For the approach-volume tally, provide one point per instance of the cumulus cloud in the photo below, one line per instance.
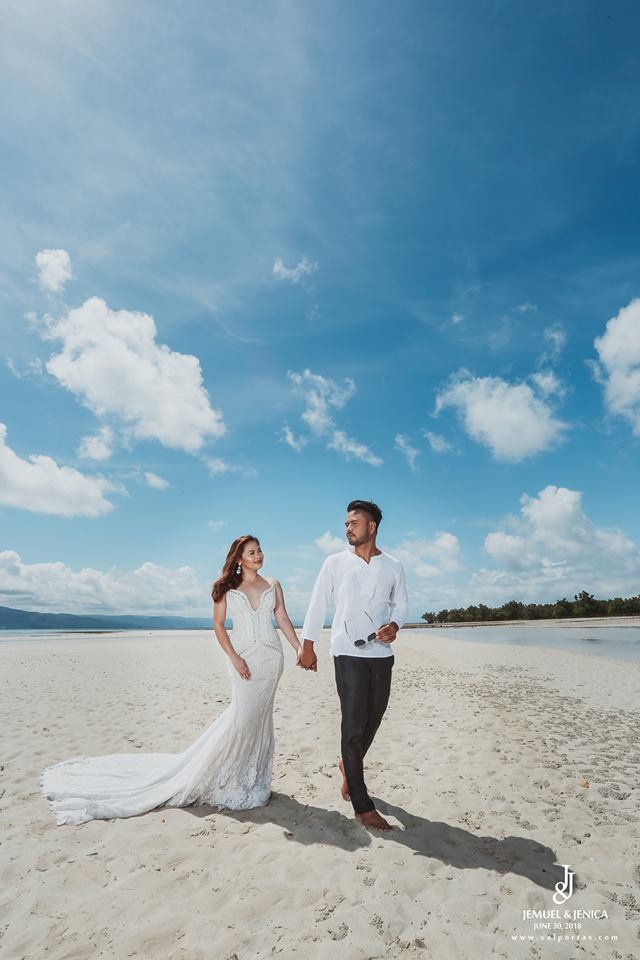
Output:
(557, 521)
(437, 443)
(327, 543)
(456, 318)
(97, 447)
(403, 444)
(526, 307)
(618, 369)
(554, 547)
(548, 383)
(430, 558)
(54, 269)
(511, 419)
(111, 361)
(149, 589)
(322, 396)
(155, 481)
(303, 268)
(40, 485)
(508, 549)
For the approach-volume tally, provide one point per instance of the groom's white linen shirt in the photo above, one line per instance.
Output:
(366, 596)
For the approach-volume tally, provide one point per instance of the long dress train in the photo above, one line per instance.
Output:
(229, 765)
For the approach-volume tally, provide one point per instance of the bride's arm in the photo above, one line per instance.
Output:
(219, 617)
(283, 621)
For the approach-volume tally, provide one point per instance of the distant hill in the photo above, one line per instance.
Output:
(11, 619)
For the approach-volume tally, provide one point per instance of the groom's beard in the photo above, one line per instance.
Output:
(358, 541)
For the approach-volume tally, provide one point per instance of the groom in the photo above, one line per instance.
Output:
(369, 591)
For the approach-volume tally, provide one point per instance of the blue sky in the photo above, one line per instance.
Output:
(259, 259)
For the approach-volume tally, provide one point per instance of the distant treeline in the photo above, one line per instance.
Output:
(583, 605)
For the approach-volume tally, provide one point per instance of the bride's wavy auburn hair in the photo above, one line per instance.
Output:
(229, 579)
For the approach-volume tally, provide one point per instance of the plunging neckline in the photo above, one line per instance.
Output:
(255, 609)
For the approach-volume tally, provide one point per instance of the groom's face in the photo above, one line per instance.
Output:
(359, 528)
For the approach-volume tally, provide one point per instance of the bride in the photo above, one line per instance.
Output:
(230, 764)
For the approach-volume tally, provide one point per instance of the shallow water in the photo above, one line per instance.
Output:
(616, 642)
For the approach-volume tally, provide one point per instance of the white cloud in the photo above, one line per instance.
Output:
(352, 449)
(437, 443)
(111, 361)
(321, 397)
(54, 269)
(158, 483)
(330, 544)
(303, 268)
(97, 447)
(217, 466)
(548, 383)
(456, 318)
(508, 549)
(42, 486)
(509, 419)
(619, 368)
(430, 558)
(555, 338)
(33, 369)
(554, 548)
(287, 436)
(556, 520)
(526, 307)
(149, 589)
(216, 524)
(404, 446)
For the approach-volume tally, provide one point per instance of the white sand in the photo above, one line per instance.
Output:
(494, 762)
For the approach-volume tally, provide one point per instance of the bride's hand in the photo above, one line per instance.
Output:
(241, 666)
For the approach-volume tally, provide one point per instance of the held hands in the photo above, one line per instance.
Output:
(241, 666)
(307, 658)
(387, 633)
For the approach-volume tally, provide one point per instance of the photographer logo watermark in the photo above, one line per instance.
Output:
(556, 924)
(564, 888)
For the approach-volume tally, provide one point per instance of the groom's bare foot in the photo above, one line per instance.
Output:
(344, 789)
(373, 821)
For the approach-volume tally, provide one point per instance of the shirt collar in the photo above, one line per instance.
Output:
(352, 552)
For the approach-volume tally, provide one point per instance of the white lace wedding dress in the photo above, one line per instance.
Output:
(229, 765)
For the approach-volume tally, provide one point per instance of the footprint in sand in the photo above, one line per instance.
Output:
(340, 933)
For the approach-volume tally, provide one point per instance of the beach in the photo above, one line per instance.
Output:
(496, 764)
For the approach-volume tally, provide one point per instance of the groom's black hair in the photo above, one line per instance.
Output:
(366, 506)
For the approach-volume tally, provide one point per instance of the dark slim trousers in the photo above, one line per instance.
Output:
(364, 684)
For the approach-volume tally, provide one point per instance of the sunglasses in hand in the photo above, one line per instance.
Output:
(361, 642)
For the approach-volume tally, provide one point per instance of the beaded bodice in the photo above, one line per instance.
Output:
(251, 626)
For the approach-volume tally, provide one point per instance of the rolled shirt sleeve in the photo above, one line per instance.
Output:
(321, 597)
(399, 599)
